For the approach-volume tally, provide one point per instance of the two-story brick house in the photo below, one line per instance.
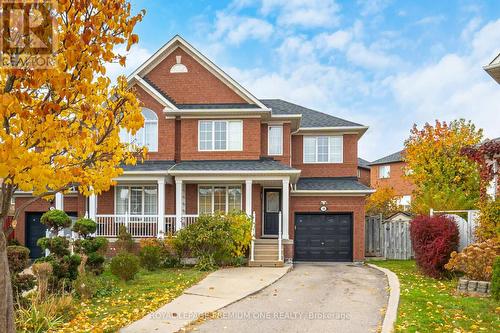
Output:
(213, 146)
(389, 171)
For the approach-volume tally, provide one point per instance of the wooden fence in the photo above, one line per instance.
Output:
(388, 239)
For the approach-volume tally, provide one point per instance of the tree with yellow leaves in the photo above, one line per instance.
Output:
(384, 201)
(60, 123)
(444, 178)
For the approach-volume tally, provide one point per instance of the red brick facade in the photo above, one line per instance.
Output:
(178, 141)
(364, 176)
(348, 168)
(397, 181)
(197, 86)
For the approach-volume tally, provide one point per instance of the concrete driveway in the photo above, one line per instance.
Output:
(337, 297)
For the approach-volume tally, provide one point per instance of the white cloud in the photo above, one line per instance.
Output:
(135, 58)
(337, 40)
(455, 86)
(371, 57)
(372, 7)
(435, 19)
(237, 29)
(303, 13)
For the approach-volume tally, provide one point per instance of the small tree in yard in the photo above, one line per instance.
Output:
(60, 126)
(443, 177)
(383, 201)
(487, 157)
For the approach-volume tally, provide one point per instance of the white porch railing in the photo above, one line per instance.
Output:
(138, 226)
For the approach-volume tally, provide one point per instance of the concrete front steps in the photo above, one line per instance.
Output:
(266, 254)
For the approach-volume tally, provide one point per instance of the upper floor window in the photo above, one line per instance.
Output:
(323, 149)
(384, 171)
(275, 140)
(146, 136)
(220, 135)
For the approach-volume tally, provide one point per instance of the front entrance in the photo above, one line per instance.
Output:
(272, 208)
(36, 230)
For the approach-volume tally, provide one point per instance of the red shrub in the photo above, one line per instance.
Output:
(433, 240)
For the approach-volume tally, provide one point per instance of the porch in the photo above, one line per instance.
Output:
(159, 204)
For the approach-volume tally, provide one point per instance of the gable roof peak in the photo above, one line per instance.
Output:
(178, 41)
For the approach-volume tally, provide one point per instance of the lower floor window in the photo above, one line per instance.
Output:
(136, 200)
(218, 198)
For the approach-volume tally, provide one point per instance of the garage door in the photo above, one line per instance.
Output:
(323, 237)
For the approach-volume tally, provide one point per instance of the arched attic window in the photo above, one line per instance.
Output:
(146, 136)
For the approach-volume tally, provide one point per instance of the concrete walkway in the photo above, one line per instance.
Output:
(217, 290)
(335, 297)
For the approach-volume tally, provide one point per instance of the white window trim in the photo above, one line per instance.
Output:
(213, 194)
(329, 147)
(130, 137)
(213, 135)
(269, 141)
(388, 174)
(129, 198)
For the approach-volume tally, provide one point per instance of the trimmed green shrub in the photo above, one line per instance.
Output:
(18, 257)
(150, 257)
(56, 220)
(125, 266)
(85, 227)
(125, 243)
(64, 269)
(495, 280)
(215, 239)
(58, 246)
(90, 245)
(93, 248)
(95, 263)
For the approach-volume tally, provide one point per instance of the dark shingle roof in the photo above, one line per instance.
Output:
(164, 94)
(250, 165)
(217, 106)
(396, 157)
(331, 184)
(149, 165)
(363, 163)
(310, 118)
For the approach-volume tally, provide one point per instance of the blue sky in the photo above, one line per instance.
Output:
(386, 64)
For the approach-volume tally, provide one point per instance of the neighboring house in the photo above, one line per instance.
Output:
(364, 171)
(389, 171)
(493, 69)
(213, 146)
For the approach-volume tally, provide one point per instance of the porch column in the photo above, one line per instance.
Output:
(92, 207)
(286, 199)
(178, 205)
(248, 197)
(161, 208)
(59, 201)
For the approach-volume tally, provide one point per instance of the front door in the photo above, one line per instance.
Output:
(272, 207)
(34, 231)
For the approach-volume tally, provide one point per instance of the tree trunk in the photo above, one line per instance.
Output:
(7, 323)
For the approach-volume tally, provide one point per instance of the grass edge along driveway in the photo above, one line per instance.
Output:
(430, 305)
(126, 302)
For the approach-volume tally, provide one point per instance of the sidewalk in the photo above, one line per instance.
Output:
(216, 291)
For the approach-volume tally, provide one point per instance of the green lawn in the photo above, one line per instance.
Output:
(429, 305)
(121, 303)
